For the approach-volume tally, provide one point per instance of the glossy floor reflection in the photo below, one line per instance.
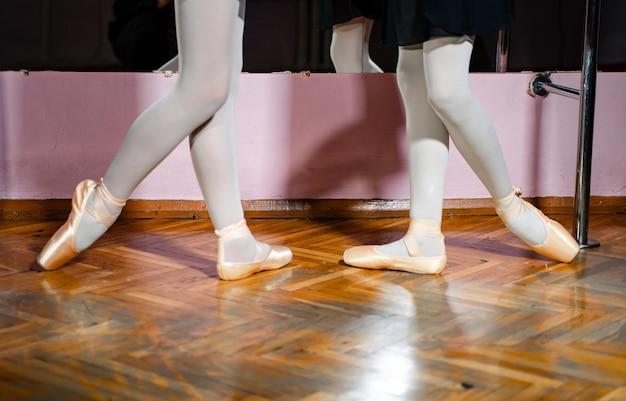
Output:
(143, 316)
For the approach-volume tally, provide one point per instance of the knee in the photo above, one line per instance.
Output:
(447, 100)
(205, 97)
(212, 94)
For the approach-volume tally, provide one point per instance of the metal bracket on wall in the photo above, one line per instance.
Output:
(541, 85)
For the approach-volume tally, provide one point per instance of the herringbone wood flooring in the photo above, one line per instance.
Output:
(142, 316)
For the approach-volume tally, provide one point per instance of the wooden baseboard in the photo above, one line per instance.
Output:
(58, 209)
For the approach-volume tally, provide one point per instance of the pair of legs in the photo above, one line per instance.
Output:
(433, 78)
(349, 46)
(201, 106)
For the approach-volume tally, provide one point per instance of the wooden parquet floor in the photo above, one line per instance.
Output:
(142, 316)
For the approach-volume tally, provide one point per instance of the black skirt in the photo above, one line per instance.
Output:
(334, 12)
(409, 22)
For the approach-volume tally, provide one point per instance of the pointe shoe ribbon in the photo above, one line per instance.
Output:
(559, 244)
(277, 256)
(61, 247)
(369, 257)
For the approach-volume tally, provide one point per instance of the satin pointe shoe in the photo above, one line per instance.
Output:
(61, 248)
(559, 244)
(277, 257)
(369, 257)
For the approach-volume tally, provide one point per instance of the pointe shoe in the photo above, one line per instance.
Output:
(277, 257)
(61, 248)
(559, 244)
(369, 257)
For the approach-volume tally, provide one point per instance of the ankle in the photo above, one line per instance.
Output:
(427, 239)
(511, 206)
(423, 238)
(521, 218)
(236, 244)
(103, 192)
(103, 207)
(419, 226)
(101, 211)
(235, 230)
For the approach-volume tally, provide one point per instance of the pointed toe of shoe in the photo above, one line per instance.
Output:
(61, 247)
(559, 244)
(365, 256)
(57, 252)
(278, 257)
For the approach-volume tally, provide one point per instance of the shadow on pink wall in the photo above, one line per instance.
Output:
(359, 145)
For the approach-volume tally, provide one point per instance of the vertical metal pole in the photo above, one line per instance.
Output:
(502, 51)
(585, 139)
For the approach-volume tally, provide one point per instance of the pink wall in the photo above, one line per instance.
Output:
(327, 136)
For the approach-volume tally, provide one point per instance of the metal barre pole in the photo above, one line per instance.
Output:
(562, 90)
(502, 51)
(587, 112)
(541, 85)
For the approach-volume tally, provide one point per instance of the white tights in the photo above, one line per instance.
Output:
(434, 83)
(201, 106)
(349, 47)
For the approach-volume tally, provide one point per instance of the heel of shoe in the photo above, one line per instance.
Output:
(277, 256)
(369, 257)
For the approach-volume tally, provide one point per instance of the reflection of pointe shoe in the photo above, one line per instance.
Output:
(369, 257)
(559, 244)
(277, 256)
(61, 248)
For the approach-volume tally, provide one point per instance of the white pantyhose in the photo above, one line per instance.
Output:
(434, 83)
(349, 47)
(201, 106)
(427, 143)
